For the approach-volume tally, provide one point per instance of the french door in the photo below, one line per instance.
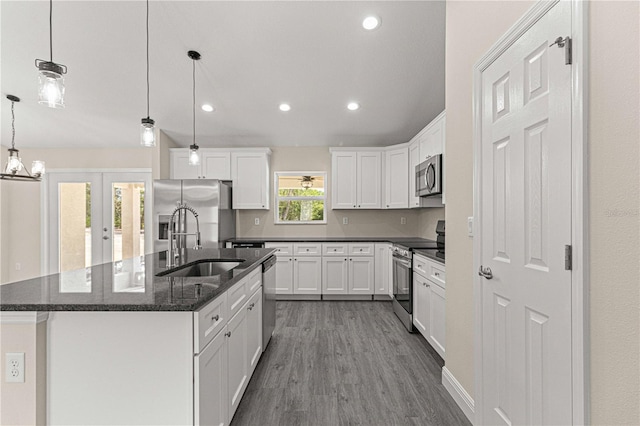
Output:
(95, 218)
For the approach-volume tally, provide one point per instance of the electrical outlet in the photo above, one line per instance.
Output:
(345, 220)
(256, 221)
(14, 371)
(403, 221)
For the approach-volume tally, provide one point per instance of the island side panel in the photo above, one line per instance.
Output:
(120, 368)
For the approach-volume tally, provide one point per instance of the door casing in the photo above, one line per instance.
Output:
(579, 200)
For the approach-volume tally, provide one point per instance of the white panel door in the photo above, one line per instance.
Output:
(249, 171)
(525, 204)
(180, 167)
(369, 181)
(343, 177)
(382, 266)
(361, 275)
(414, 160)
(284, 275)
(210, 385)
(307, 275)
(396, 182)
(216, 165)
(238, 374)
(254, 331)
(335, 275)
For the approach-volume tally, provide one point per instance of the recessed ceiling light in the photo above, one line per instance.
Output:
(352, 106)
(207, 108)
(285, 107)
(371, 22)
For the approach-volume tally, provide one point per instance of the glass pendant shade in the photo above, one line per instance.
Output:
(37, 168)
(194, 155)
(14, 163)
(51, 88)
(148, 133)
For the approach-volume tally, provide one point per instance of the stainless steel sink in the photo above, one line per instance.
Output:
(205, 268)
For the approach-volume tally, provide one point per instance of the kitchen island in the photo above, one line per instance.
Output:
(126, 346)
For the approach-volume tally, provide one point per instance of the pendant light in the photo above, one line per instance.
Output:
(50, 80)
(14, 168)
(147, 128)
(194, 155)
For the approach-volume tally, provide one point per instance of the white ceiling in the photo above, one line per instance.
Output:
(314, 55)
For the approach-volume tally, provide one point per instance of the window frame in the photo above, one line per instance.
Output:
(277, 198)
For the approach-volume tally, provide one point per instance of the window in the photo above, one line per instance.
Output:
(300, 197)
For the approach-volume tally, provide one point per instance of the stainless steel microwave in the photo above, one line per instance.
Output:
(429, 177)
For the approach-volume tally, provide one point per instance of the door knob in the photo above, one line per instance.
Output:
(485, 272)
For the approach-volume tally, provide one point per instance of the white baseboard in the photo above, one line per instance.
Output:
(460, 396)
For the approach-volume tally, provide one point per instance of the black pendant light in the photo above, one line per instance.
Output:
(194, 155)
(50, 80)
(14, 169)
(147, 128)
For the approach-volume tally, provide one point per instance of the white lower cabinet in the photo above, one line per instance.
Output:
(307, 275)
(335, 275)
(210, 379)
(429, 302)
(254, 330)
(382, 283)
(361, 273)
(238, 359)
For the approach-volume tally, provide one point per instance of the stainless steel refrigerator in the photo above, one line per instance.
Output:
(210, 198)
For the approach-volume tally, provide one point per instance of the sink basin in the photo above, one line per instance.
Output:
(205, 268)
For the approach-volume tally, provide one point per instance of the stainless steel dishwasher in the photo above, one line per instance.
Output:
(268, 300)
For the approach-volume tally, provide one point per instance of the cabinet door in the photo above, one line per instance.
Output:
(436, 335)
(254, 331)
(414, 160)
(238, 376)
(180, 168)
(335, 275)
(216, 165)
(369, 180)
(249, 172)
(396, 182)
(307, 275)
(284, 275)
(382, 265)
(361, 275)
(343, 180)
(210, 383)
(421, 304)
(432, 140)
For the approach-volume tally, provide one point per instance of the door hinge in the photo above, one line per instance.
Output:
(568, 258)
(566, 43)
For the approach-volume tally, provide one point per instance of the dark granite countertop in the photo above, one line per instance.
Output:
(408, 241)
(430, 253)
(130, 285)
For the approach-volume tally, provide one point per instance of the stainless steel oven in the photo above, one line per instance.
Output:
(403, 285)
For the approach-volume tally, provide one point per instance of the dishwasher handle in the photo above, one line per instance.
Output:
(268, 264)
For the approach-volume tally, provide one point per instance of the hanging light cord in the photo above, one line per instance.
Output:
(13, 127)
(147, 58)
(194, 101)
(51, 30)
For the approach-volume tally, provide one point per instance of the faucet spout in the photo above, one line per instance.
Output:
(173, 252)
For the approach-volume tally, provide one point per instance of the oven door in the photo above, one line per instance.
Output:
(403, 282)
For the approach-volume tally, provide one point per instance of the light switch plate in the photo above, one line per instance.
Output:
(470, 226)
(345, 220)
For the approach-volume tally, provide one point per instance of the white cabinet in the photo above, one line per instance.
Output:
(361, 275)
(356, 179)
(414, 160)
(432, 138)
(254, 330)
(307, 275)
(210, 381)
(429, 301)
(284, 275)
(250, 175)
(335, 275)
(396, 182)
(382, 269)
(214, 164)
(237, 367)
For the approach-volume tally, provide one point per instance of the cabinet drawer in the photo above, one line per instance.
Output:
(254, 281)
(284, 249)
(361, 249)
(335, 249)
(236, 297)
(437, 274)
(421, 265)
(209, 321)
(307, 249)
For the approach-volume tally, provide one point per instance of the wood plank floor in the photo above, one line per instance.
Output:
(346, 363)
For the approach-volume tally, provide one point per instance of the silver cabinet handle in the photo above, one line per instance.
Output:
(106, 237)
(251, 306)
(228, 334)
(437, 274)
(485, 272)
(215, 318)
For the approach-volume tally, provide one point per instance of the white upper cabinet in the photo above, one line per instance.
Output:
(250, 175)
(214, 164)
(396, 182)
(432, 137)
(414, 160)
(356, 179)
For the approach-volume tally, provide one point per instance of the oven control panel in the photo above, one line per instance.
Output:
(401, 251)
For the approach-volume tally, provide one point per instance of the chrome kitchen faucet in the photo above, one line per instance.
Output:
(173, 252)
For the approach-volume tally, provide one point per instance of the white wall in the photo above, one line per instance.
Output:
(472, 27)
(373, 223)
